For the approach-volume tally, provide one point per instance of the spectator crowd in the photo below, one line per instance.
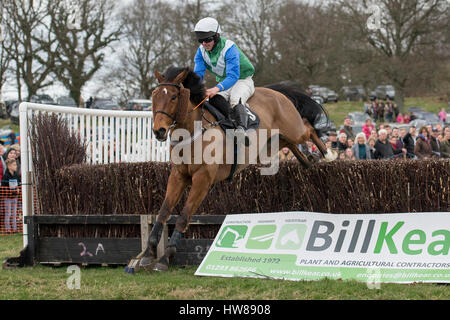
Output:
(384, 140)
(10, 177)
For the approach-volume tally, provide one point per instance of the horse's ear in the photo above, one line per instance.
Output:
(180, 78)
(159, 76)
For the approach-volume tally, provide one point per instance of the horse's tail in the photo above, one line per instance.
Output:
(309, 109)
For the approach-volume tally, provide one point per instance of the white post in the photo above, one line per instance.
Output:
(25, 166)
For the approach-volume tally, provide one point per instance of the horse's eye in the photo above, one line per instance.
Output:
(174, 97)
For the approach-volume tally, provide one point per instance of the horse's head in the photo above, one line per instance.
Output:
(169, 103)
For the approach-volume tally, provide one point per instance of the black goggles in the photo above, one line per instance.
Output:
(207, 40)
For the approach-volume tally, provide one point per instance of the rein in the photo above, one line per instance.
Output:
(198, 105)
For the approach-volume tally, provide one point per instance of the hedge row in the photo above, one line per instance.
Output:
(337, 187)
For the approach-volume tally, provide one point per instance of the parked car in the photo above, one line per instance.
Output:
(42, 98)
(430, 117)
(353, 93)
(139, 104)
(317, 99)
(3, 113)
(349, 93)
(320, 92)
(332, 95)
(361, 93)
(324, 93)
(415, 109)
(9, 104)
(323, 125)
(66, 101)
(105, 104)
(14, 114)
(372, 95)
(384, 92)
(358, 118)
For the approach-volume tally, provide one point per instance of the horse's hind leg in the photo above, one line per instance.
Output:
(201, 183)
(299, 155)
(175, 187)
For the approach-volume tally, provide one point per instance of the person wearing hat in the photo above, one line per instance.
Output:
(332, 136)
(434, 141)
(230, 66)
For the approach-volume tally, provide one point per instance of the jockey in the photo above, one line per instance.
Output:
(233, 71)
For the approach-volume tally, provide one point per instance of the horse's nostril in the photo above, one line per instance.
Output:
(159, 133)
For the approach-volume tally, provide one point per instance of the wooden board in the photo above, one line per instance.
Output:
(111, 251)
(90, 251)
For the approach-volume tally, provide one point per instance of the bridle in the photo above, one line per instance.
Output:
(173, 117)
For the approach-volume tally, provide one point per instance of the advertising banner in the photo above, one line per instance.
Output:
(372, 248)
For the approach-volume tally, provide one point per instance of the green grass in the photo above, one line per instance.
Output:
(104, 283)
(338, 111)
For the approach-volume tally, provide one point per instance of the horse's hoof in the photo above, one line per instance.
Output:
(147, 263)
(129, 270)
(161, 267)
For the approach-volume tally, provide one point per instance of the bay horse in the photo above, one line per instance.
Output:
(175, 104)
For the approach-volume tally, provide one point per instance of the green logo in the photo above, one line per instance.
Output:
(232, 236)
(291, 237)
(261, 237)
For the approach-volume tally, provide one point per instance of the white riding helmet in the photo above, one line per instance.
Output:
(207, 27)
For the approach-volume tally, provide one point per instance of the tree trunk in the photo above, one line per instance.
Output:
(400, 98)
(75, 94)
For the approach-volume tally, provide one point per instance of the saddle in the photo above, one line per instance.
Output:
(226, 123)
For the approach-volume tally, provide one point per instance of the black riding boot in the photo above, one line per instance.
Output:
(222, 104)
(241, 118)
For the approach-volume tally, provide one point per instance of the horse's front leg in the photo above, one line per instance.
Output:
(201, 183)
(176, 185)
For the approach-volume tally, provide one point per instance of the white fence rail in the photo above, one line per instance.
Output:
(111, 136)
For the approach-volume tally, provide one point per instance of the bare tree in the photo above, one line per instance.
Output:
(79, 48)
(250, 24)
(148, 29)
(4, 64)
(5, 57)
(187, 14)
(309, 42)
(26, 28)
(399, 31)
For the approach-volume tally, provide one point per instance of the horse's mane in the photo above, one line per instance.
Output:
(192, 82)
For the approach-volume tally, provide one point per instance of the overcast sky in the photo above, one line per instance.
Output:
(90, 89)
